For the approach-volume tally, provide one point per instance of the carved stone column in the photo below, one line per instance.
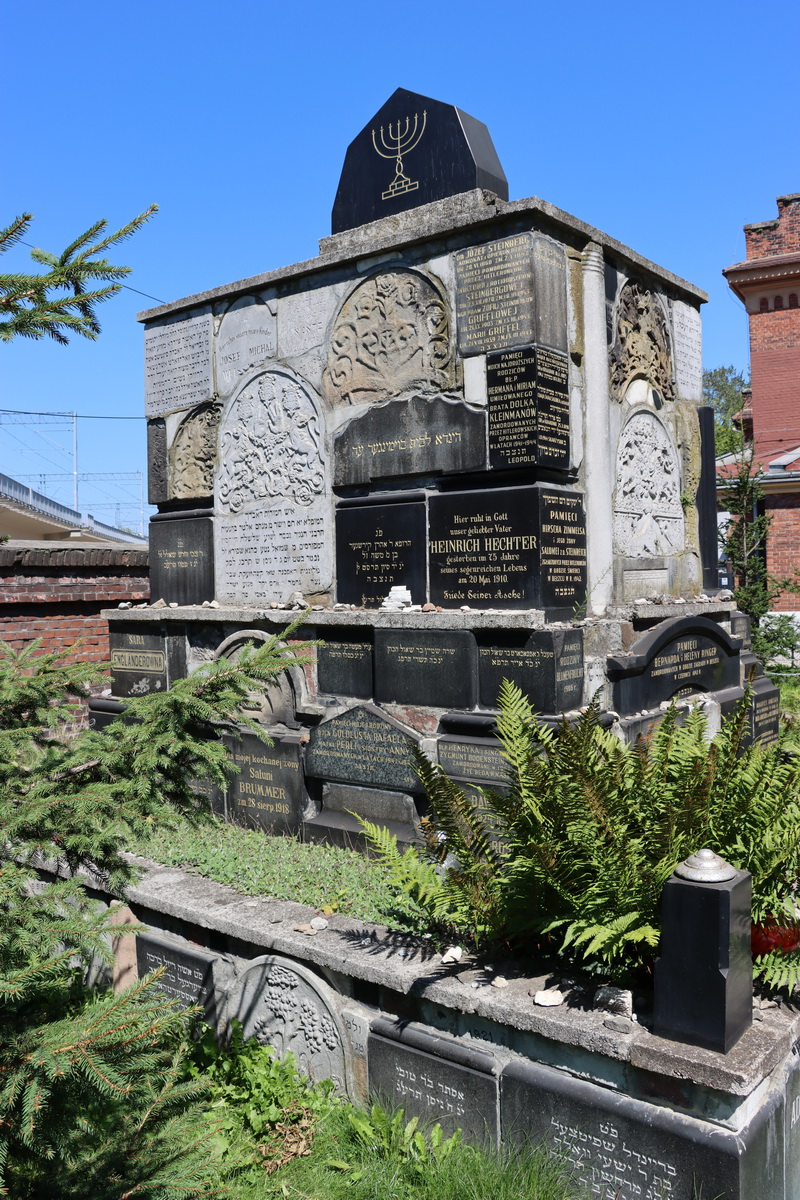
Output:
(599, 457)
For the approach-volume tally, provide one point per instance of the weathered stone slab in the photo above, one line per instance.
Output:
(528, 398)
(182, 559)
(189, 972)
(414, 150)
(378, 547)
(157, 491)
(648, 515)
(364, 746)
(618, 1146)
(511, 293)
(416, 436)
(687, 350)
(177, 362)
(742, 627)
(508, 548)
(269, 791)
(193, 455)
(344, 665)
(247, 337)
(375, 804)
(434, 1078)
(284, 1005)
(272, 494)
(430, 667)
(547, 667)
(679, 657)
(766, 711)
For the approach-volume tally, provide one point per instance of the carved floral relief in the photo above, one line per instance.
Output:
(392, 334)
(648, 515)
(271, 446)
(193, 454)
(642, 343)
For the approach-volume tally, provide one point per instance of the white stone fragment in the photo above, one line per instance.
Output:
(452, 954)
(500, 981)
(549, 997)
(318, 923)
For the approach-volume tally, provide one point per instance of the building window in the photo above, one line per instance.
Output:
(763, 304)
(792, 299)
(778, 303)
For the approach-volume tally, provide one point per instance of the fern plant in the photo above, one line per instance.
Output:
(92, 1097)
(574, 851)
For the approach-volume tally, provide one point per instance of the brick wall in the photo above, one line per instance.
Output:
(56, 593)
(783, 543)
(781, 236)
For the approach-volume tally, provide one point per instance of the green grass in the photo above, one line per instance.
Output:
(256, 864)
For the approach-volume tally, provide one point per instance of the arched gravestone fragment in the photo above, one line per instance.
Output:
(413, 151)
(282, 1004)
(678, 658)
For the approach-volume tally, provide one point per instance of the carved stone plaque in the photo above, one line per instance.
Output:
(283, 1005)
(365, 746)
(177, 363)
(246, 338)
(648, 517)
(193, 455)
(687, 327)
(642, 345)
(272, 496)
(392, 335)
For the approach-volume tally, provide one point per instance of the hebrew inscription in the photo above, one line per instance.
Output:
(642, 346)
(687, 327)
(392, 335)
(177, 363)
(609, 1167)
(272, 494)
(648, 516)
(193, 454)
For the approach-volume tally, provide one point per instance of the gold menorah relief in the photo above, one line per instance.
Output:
(402, 138)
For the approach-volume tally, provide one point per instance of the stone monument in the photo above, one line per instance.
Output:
(489, 405)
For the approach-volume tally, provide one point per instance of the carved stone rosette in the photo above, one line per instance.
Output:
(648, 516)
(270, 446)
(193, 454)
(642, 343)
(284, 1005)
(392, 334)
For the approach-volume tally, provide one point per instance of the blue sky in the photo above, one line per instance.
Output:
(669, 126)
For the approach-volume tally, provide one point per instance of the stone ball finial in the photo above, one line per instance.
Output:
(704, 866)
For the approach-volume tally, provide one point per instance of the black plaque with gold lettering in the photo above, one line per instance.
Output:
(679, 657)
(547, 667)
(378, 547)
(766, 711)
(521, 547)
(138, 661)
(182, 559)
(268, 792)
(432, 667)
(528, 398)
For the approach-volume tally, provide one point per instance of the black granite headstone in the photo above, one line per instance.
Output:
(617, 1146)
(478, 759)
(365, 746)
(766, 711)
(182, 559)
(528, 401)
(679, 657)
(742, 627)
(434, 1078)
(344, 664)
(414, 150)
(708, 528)
(157, 485)
(512, 292)
(189, 972)
(269, 791)
(417, 436)
(438, 668)
(378, 547)
(547, 667)
(138, 661)
(521, 547)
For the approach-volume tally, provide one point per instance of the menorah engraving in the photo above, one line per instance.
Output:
(402, 139)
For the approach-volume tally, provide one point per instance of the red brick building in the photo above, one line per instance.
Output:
(768, 284)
